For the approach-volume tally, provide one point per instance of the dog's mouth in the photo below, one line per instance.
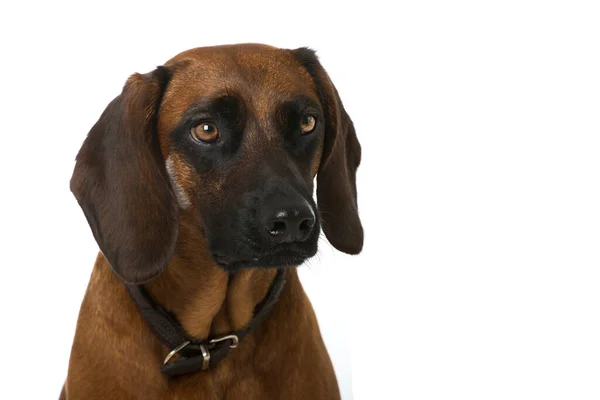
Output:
(281, 257)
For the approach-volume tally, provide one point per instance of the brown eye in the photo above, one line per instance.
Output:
(308, 123)
(206, 132)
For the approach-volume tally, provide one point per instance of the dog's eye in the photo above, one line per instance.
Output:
(308, 123)
(205, 131)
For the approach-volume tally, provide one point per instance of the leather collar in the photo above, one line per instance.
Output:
(196, 354)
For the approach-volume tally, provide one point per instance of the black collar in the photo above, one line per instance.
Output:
(196, 355)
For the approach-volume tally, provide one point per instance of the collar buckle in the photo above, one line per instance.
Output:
(175, 351)
(203, 349)
(234, 341)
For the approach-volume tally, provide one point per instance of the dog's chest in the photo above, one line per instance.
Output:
(223, 385)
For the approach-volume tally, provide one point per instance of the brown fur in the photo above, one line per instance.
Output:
(114, 354)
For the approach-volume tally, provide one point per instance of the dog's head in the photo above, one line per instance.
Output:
(230, 138)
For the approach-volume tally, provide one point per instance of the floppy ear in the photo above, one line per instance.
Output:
(120, 182)
(336, 178)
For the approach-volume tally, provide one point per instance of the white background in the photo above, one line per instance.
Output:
(479, 188)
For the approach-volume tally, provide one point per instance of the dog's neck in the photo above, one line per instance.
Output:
(206, 299)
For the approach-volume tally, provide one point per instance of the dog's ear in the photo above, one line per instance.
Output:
(336, 178)
(120, 182)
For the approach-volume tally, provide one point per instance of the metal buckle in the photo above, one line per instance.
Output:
(203, 349)
(174, 351)
(234, 340)
(205, 357)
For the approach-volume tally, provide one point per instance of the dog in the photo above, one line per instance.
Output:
(197, 183)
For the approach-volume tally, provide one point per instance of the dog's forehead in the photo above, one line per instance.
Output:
(263, 76)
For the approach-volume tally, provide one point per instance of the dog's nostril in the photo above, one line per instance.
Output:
(277, 228)
(306, 225)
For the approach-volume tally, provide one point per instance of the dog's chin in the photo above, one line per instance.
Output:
(274, 259)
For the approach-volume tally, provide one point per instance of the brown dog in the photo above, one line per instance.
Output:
(197, 182)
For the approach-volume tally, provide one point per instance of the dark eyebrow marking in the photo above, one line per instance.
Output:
(213, 107)
(299, 104)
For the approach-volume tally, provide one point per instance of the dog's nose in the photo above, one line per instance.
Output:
(290, 224)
